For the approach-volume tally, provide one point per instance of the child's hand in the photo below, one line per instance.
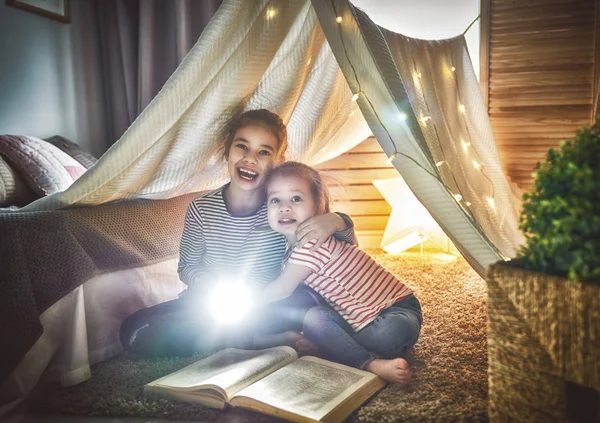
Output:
(319, 228)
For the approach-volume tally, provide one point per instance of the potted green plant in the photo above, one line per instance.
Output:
(544, 307)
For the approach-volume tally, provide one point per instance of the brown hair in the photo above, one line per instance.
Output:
(317, 188)
(258, 117)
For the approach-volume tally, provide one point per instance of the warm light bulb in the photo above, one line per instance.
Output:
(476, 164)
(491, 202)
(452, 68)
(467, 203)
(425, 119)
(338, 19)
(270, 13)
(465, 145)
(419, 75)
(308, 62)
(438, 164)
(355, 96)
(403, 115)
(351, 114)
(462, 108)
(457, 197)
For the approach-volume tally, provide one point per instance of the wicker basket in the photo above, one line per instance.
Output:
(543, 331)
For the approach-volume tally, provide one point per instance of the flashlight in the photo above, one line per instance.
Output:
(229, 302)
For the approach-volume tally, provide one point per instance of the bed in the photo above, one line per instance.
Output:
(70, 277)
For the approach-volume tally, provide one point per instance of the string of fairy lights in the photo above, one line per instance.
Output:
(424, 120)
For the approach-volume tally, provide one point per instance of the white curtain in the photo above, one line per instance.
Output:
(143, 42)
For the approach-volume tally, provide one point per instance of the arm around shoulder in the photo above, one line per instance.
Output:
(289, 279)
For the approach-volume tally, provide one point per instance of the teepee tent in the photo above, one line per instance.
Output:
(420, 99)
(335, 77)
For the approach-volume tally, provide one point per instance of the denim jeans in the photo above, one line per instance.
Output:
(390, 335)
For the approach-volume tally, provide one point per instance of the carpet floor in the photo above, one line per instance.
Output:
(449, 362)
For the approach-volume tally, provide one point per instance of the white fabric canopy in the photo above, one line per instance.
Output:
(422, 100)
(260, 54)
(276, 55)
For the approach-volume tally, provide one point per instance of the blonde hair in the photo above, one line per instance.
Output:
(264, 117)
(317, 188)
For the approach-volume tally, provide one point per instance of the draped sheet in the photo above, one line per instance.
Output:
(272, 55)
(423, 103)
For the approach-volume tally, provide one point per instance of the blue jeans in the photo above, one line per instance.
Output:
(390, 335)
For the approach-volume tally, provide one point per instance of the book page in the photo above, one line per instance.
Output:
(309, 387)
(228, 370)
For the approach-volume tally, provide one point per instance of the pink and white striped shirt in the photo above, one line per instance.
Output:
(351, 281)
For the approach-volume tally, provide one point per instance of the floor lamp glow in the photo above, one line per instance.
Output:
(410, 223)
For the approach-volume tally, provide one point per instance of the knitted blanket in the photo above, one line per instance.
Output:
(45, 255)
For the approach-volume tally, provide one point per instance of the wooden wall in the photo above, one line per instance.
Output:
(349, 178)
(539, 73)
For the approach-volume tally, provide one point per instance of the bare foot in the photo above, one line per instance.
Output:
(307, 347)
(289, 338)
(395, 370)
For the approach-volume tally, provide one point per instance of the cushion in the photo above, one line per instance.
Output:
(13, 190)
(44, 168)
(73, 150)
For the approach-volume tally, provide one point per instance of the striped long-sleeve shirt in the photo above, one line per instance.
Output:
(351, 281)
(216, 244)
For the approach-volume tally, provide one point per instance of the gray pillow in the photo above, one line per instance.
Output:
(73, 150)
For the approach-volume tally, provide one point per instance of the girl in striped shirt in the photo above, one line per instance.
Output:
(226, 233)
(369, 319)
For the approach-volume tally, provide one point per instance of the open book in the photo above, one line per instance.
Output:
(273, 381)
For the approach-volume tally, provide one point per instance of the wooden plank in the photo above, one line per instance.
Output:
(506, 17)
(542, 97)
(354, 192)
(369, 239)
(484, 50)
(534, 133)
(548, 28)
(525, 158)
(534, 101)
(363, 208)
(362, 176)
(508, 128)
(499, 6)
(370, 145)
(524, 47)
(541, 110)
(535, 39)
(579, 54)
(356, 161)
(542, 63)
(539, 121)
(596, 88)
(541, 89)
(550, 65)
(370, 223)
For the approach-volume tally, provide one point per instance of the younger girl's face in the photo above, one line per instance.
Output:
(252, 154)
(289, 203)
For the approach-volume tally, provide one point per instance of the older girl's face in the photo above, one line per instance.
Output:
(252, 154)
(289, 203)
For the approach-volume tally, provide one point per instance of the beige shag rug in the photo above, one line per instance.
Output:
(449, 362)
